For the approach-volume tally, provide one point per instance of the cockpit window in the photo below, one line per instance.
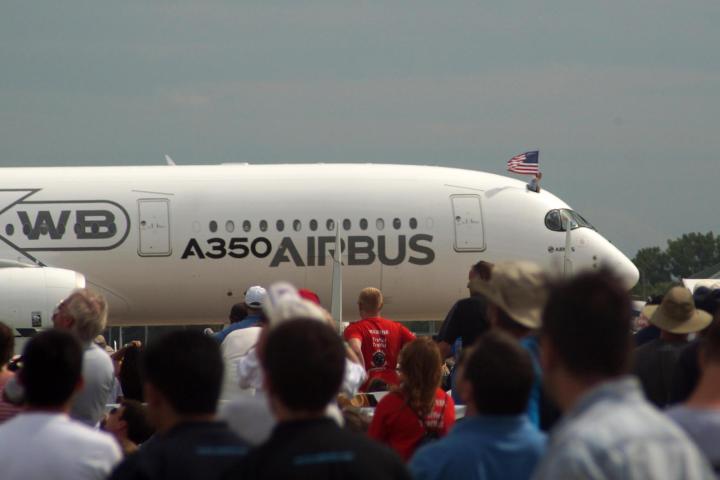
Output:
(556, 220)
(553, 222)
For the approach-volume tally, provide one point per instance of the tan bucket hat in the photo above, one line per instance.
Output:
(519, 288)
(677, 313)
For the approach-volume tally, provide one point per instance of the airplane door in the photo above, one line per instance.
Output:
(154, 223)
(469, 231)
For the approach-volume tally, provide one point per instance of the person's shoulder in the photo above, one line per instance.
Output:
(74, 436)
(83, 433)
(349, 451)
(469, 307)
(689, 354)
(355, 329)
(533, 438)
(690, 419)
(97, 357)
(389, 404)
(570, 462)
(216, 431)
(133, 466)
(406, 334)
(445, 458)
(677, 411)
(606, 425)
(441, 394)
(392, 324)
(368, 449)
(392, 398)
(470, 301)
(188, 441)
(240, 336)
(647, 348)
(94, 352)
(435, 452)
(243, 332)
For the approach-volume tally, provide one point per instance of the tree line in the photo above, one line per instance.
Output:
(690, 254)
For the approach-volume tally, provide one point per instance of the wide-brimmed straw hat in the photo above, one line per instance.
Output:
(518, 288)
(677, 313)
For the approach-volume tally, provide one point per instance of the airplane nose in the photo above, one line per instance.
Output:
(628, 272)
(610, 256)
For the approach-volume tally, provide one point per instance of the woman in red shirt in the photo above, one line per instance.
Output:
(417, 409)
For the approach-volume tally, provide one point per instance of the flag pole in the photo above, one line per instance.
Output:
(337, 280)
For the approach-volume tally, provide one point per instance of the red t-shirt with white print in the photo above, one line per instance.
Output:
(381, 340)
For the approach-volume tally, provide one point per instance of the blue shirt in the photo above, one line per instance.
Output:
(613, 432)
(482, 448)
(530, 343)
(249, 321)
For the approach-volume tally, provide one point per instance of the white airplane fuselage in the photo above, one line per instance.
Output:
(180, 244)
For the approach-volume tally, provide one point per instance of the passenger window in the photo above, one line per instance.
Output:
(297, 225)
(363, 224)
(230, 226)
(246, 226)
(330, 224)
(280, 225)
(397, 223)
(346, 224)
(263, 225)
(413, 223)
(313, 225)
(213, 226)
(380, 224)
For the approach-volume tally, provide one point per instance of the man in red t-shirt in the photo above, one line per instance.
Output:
(376, 340)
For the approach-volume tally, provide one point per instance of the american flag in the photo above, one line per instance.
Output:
(526, 163)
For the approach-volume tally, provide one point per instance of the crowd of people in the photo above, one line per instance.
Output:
(528, 377)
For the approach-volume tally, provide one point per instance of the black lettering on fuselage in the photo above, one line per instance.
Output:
(382, 251)
(322, 243)
(429, 254)
(44, 224)
(256, 251)
(287, 246)
(95, 224)
(311, 252)
(193, 249)
(361, 250)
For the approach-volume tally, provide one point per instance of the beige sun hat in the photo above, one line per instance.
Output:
(519, 288)
(648, 310)
(677, 313)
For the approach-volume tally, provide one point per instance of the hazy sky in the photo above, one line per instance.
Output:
(621, 97)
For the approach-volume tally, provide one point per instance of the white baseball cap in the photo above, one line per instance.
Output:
(255, 296)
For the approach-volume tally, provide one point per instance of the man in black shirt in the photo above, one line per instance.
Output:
(303, 362)
(655, 361)
(467, 319)
(183, 373)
